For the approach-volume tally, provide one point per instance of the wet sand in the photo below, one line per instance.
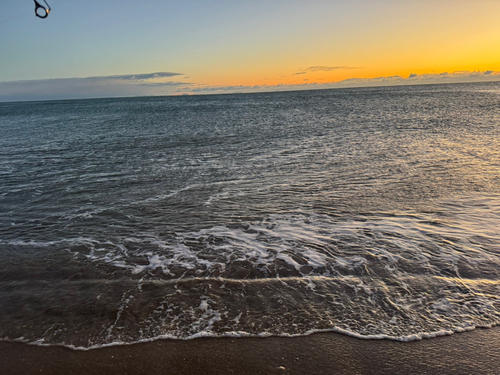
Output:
(476, 352)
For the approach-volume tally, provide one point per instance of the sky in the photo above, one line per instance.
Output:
(111, 48)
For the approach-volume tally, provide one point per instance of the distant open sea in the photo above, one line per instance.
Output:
(373, 212)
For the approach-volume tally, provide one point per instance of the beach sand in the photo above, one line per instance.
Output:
(475, 352)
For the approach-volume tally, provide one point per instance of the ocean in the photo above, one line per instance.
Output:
(373, 212)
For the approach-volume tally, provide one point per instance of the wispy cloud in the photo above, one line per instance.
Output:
(322, 68)
(455, 77)
(158, 83)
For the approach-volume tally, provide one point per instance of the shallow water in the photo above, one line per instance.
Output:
(372, 212)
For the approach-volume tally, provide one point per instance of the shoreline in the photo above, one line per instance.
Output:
(472, 352)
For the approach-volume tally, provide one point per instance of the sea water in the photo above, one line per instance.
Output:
(372, 211)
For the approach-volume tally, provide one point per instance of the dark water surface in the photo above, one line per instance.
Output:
(374, 212)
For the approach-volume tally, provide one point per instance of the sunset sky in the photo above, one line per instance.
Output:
(99, 48)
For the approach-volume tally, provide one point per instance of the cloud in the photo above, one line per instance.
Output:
(146, 76)
(328, 68)
(445, 77)
(321, 68)
(158, 83)
(458, 76)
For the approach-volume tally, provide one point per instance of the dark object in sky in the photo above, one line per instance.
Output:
(40, 10)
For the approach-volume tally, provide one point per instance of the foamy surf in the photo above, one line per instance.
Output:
(399, 276)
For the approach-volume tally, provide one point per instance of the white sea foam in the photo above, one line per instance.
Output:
(395, 276)
(242, 334)
(318, 242)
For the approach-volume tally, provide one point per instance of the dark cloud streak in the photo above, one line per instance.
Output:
(142, 76)
(91, 87)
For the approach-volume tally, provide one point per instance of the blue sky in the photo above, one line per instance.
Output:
(150, 47)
